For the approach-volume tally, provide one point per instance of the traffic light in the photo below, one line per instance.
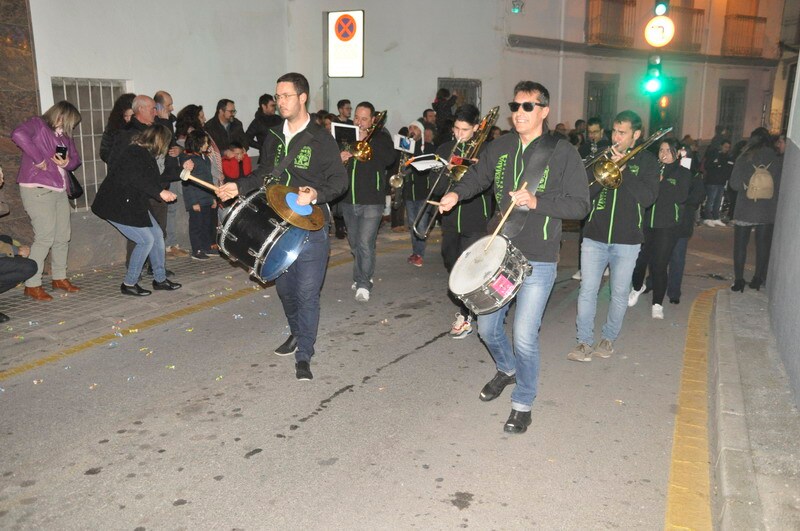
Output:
(652, 79)
(661, 7)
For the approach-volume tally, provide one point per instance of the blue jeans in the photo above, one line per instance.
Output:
(523, 358)
(714, 193)
(412, 209)
(299, 290)
(149, 242)
(595, 256)
(362, 231)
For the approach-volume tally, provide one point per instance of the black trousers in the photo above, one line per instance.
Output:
(453, 244)
(15, 269)
(655, 254)
(741, 238)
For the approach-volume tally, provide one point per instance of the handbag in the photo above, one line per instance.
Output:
(74, 188)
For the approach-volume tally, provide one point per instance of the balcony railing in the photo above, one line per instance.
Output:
(744, 35)
(611, 22)
(688, 28)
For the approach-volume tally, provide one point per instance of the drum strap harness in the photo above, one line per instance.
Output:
(301, 140)
(543, 149)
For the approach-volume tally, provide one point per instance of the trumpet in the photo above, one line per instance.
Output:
(458, 167)
(608, 173)
(361, 150)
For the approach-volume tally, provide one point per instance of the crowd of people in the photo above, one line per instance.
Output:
(636, 228)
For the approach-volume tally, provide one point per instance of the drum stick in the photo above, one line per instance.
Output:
(186, 176)
(434, 203)
(505, 217)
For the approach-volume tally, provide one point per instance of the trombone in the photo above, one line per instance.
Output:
(361, 150)
(456, 172)
(608, 173)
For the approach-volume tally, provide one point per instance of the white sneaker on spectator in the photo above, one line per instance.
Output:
(658, 311)
(577, 275)
(362, 294)
(719, 223)
(709, 223)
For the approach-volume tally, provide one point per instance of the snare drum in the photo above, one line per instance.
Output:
(256, 236)
(486, 281)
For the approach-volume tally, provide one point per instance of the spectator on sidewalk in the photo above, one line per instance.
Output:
(225, 128)
(121, 113)
(15, 266)
(718, 170)
(263, 120)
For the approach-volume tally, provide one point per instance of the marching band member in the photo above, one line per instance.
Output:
(415, 190)
(556, 189)
(466, 223)
(318, 172)
(363, 204)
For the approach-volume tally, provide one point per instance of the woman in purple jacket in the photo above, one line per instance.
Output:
(48, 152)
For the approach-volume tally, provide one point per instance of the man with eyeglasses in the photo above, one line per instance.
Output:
(224, 128)
(317, 170)
(612, 237)
(555, 189)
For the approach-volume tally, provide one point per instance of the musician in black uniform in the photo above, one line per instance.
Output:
(318, 172)
(556, 189)
(466, 223)
(363, 203)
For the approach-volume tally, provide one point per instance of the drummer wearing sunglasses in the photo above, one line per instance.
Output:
(556, 189)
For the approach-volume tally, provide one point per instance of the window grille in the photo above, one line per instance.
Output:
(94, 99)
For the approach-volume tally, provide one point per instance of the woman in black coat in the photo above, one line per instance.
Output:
(123, 201)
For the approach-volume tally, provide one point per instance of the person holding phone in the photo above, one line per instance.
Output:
(48, 153)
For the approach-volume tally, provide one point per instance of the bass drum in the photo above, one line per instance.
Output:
(253, 234)
(487, 280)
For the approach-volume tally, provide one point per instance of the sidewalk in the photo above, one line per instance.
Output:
(755, 429)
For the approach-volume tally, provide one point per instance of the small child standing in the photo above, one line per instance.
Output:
(238, 164)
(200, 201)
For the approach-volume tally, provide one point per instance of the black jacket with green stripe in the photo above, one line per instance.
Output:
(673, 190)
(368, 179)
(561, 190)
(617, 216)
(318, 164)
(471, 215)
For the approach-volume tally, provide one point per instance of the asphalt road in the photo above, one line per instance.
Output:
(194, 423)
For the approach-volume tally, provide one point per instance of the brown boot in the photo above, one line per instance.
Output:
(38, 293)
(65, 285)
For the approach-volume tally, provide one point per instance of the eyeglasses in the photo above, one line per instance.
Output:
(527, 106)
(279, 97)
(231, 111)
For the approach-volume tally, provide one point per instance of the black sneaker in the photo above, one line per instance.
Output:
(199, 255)
(303, 371)
(493, 389)
(4, 318)
(167, 284)
(288, 348)
(517, 422)
(135, 290)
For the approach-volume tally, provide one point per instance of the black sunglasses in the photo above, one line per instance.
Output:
(527, 106)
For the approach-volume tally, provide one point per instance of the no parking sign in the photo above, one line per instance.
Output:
(346, 44)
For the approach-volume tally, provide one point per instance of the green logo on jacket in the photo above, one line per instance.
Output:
(543, 180)
(634, 169)
(303, 159)
(499, 173)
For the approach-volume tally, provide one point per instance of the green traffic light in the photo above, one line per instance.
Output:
(661, 8)
(652, 85)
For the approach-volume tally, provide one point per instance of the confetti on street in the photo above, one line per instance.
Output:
(218, 378)
(171, 367)
(190, 329)
(93, 387)
(37, 382)
(113, 344)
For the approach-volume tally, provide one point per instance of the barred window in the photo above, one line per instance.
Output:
(469, 89)
(94, 98)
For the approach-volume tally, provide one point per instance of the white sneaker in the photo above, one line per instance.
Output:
(719, 223)
(362, 294)
(658, 311)
(633, 296)
(353, 287)
(606, 272)
(709, 223)
(462, 327)
(577, 275)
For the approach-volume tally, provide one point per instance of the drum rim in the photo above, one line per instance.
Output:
(241, 202)
(461, 259)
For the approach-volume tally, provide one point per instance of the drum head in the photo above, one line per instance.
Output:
(475, 266)
(283, 253)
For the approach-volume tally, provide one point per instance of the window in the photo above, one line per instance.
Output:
(469, 90)
(94, 98)
(601, 97)
(732, 105)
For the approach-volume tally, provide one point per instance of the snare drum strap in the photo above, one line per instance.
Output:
(300, 142)
(534, 172)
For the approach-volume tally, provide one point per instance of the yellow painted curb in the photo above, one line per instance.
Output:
(689, 488)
